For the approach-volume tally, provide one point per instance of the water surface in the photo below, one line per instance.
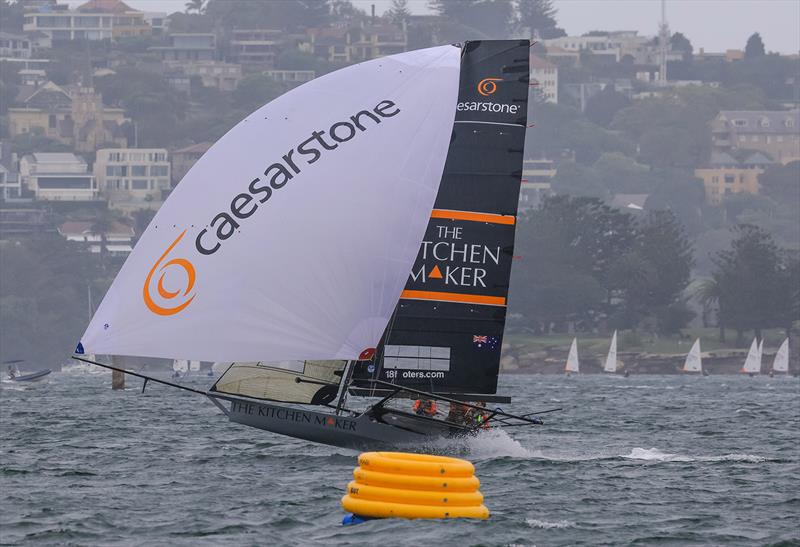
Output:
(640, 460)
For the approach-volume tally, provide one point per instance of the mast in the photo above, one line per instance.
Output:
(663, 43)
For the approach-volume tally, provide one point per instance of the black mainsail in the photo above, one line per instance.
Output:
(447, 330)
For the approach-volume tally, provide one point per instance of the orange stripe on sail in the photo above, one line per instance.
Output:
(454, 297)
(475, 217)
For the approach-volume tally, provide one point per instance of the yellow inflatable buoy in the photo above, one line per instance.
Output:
(402, 485)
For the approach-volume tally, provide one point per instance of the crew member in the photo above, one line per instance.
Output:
(424, 407)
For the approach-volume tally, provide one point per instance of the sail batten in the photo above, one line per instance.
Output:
(292, 237)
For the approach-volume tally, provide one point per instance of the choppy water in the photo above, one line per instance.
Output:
(645, 460)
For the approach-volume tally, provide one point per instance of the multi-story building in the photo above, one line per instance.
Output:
(57, 177)
(356, 43)
(125, 21)
(290, 76)
(725, 175)
(614, 44)
(774, 132)
(257, 46)
(15, 46)
(188, 46)
(536, 179)
(132, 178)
(116, 239)
(62, 24)
(94, 20)
(184, 158)
(157, 21)
(544, 79)
(223, 76)
(73, 115)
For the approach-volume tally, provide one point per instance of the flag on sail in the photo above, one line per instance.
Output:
(293, 236)
(458, 285)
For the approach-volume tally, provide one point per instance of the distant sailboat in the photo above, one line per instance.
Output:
(693, 361)
(573, 366)
(611, 358)
(781, 362)
(752, 364)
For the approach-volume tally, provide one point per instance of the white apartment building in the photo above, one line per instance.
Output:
(70, 25)
(544, 79)
(132, 178)
(57, 177)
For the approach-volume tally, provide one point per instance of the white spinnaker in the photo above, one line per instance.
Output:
(572, 358)
(752, 364)
(693, 361)
(611, 358)
(315, 271)
(781, 362)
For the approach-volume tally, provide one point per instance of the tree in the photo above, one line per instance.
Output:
(539, 16)
(751, 280)
(681, 43)
(779, 182)
(602, 107)
(754, 47)
(256, 90)
(195, 6)
(492, 18)
(399, 11)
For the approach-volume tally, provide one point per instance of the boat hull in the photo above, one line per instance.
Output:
(359, 432)
(33, 377)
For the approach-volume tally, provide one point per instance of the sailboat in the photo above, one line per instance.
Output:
(611, 358)
(573, 366)
(781, 361)
(694, 362)
(752, 364)
(352, 237)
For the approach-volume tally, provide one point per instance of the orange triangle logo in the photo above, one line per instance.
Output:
(435, 273)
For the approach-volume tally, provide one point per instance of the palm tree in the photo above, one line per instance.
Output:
(195, 6)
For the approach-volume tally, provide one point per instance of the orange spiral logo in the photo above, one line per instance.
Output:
(487, 86)
(165, 294)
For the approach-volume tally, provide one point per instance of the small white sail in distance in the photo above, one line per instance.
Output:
(572, 358)
(294, 235)
(752, 364)
(693, 361)
(781, 362)
(611, 358)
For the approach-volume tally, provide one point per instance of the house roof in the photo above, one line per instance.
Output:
(105, 6)
(762, 121)
(199, 148)
(84, 227)
(629, 201)
(56, 157)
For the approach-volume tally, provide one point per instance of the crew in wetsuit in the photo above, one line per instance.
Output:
(424, 407)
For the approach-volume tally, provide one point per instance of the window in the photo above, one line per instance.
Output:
(116, 170)
(138, 170)
(715, 179)
(739, 123)
(51, 121)
(158, 170)
(139, 184)
(730, 179)
(741, 178)
(789, 122)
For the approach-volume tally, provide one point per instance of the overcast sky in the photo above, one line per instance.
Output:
(715, 25)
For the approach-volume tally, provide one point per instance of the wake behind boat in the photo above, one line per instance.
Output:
(362, 266)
